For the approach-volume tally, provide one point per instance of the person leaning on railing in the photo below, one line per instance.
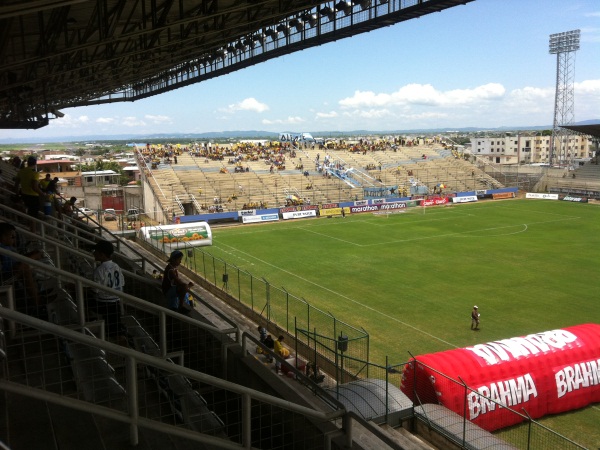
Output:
(19, 271)
(174, 288)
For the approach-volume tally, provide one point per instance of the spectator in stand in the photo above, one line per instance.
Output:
(106, 303)
(280, 350)
(16, 162)
(45, 182)
(174, 288)
(68, 209)
(18, 270)
(270, 344)
(262, 333)
(28, 182)
(52, 186)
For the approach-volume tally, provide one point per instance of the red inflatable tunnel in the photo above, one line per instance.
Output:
(542, 373)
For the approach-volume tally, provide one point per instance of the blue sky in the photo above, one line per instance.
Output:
(484, 64)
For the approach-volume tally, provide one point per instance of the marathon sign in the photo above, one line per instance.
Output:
(544, 373)
(392, 206)
(434, 201)
(573, 198)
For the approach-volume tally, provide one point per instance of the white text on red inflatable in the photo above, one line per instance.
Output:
(509, 392)
(510, 349)
(577, 376)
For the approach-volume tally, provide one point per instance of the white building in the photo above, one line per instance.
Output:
(528, 148)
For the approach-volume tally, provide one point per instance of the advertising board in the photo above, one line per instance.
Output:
(192, 234)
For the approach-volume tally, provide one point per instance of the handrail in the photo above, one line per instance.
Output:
(59, 245)
(126, 298)
(318, 390)
(80, 234)
(134, 357)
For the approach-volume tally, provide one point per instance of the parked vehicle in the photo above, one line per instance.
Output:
(82, 213)
(133, 214)
(110, 214)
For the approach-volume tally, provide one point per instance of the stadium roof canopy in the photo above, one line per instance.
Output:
(63, 53)
(592, 129)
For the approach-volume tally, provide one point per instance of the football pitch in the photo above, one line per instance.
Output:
(410, 279)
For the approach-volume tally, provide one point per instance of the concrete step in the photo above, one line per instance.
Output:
(406, 439)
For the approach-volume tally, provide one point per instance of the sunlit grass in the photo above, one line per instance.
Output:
(411, 279)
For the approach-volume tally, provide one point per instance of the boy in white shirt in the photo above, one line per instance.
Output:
(109, 274)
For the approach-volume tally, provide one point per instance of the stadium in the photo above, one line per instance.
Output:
(363, 259)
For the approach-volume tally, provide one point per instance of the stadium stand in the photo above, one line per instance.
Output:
(212, 184)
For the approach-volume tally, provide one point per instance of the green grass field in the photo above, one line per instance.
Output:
(411, 279)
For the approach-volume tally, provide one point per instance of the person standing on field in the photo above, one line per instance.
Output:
(475, 318)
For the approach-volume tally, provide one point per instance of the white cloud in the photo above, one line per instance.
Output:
(327, 115)
(158, 119)
(426, 115)
(248, 104)
(368, 113)
(106, 120)
(424, 94)
(588, 87)
(422, 105)
(69, 121)
(288, 121)
(590, 34)
(132, 121)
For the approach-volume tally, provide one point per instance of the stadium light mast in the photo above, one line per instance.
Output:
(563, 45)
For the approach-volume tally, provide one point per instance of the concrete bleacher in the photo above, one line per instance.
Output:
(197, 181)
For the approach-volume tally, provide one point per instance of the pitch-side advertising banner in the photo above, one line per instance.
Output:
(174, 236)
(299, 214)
(434, 201)
(260, 218)
(542, 196)
(543, 373)
(466, 199)
(391, 206)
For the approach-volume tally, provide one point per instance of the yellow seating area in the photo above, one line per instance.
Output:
(230, 184)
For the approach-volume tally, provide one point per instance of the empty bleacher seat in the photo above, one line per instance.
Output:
(100, 390)
(197, 415)
(81, 352)
(62, 312)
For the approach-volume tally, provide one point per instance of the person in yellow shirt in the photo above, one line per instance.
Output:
(28, 181)
(280, 350)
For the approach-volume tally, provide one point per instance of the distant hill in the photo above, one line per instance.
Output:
(254, 134)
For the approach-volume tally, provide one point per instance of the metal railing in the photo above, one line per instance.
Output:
(270, 304)
(127, 407)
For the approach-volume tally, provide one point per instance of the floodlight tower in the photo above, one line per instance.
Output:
(563, 45)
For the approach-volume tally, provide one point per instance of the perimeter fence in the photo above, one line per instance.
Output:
(278, 307)
(343, 351)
